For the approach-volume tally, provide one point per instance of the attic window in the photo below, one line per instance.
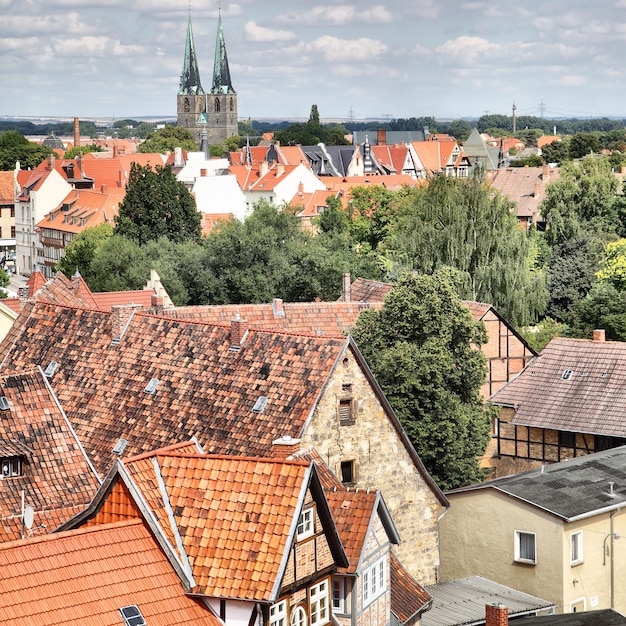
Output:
(51, 369)
(4, 403)
(259, 405)
(567, 374)
(11, 466)
(132, 616)
(346, 412)
(152, 385)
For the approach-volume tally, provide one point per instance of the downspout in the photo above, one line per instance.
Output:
(439, 543)
(612, 560)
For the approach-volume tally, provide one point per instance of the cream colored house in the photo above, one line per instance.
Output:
(552, 532)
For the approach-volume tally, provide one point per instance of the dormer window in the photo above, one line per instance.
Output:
(11, 467)
(306, 524)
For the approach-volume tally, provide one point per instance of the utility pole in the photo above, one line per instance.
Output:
(514, 118)
(542, 108)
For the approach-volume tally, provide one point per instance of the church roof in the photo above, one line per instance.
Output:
(190, 77)
(221, 72)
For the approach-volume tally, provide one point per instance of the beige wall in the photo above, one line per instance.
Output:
(477, 538)
(381, 462)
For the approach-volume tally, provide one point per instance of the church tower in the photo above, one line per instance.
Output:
(191, 101)
(221, 110)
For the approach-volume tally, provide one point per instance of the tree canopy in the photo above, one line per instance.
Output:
(157, 205)
(423, 348)
(15, 147)
(167, 139)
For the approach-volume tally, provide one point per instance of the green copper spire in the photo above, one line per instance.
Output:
(221, 73)
(190, 78)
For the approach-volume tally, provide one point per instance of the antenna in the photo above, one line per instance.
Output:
(514, 118)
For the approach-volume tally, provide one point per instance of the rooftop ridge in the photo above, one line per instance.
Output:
(214, 457)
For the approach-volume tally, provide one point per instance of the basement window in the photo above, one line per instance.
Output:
(132, 616)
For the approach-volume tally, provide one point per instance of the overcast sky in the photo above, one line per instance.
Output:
(400, 58)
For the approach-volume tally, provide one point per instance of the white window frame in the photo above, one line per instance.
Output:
(306, 524)
(576, 548)
(374, 581)
(339, 594)
(278, 614)
(582, 601)
(518, 547)
(298, 616)
(319, 608)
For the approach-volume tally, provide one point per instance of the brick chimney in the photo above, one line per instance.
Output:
(114, 151)
(121, 316)
(156, 301)
(346, 294)
(51, 160)
(278, 308)
(203, 172)
(537, 189)
(599, 334)
(76, 132)
(381, 137)
(285, 447)
(280, 169)
(238, 332)
(545, 172)
(497, 615)
(263, 168)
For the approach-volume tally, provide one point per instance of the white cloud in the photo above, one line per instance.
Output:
(466, 50)
(94, 47)
(257, 33)
(338, 15)
(335, 49)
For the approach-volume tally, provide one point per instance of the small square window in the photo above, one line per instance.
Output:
(576, 548)
(525, 547)
(305, 524)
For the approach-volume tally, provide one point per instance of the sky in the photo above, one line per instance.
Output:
(450, 59)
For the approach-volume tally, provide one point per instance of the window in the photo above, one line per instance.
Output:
(12, 232)
(339, 595)
(566, 439)
(346, 415)
(374, 581)
(11, 466)
(319, 604)
(298, 616)
(576, 548)
(278, 614)
(347, 472)
(305, 524)
(132, 616)
(567, 374)
(525, 551)
(216, 105)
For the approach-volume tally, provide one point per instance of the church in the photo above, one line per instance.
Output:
(214, 111)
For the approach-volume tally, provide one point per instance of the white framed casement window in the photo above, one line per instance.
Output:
(298, 616)
(525, 547)
(576, 548)
(306, 524)
(374, 581)
(318, 604)
(339, 594)
(278, 614)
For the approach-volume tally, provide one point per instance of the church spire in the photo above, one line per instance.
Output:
(221, 73)
(190, 77)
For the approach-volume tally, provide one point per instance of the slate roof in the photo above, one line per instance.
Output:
(57, 479)
(571, 489)
(463, 601)
(605, 617)
(409, 600)
(591, 399)
(85, 576)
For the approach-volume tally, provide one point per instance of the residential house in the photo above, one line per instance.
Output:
(526, 188)
(153, 380)
(43, 467)
(272, 153)
(252, 539)
(311, 205)
(79, 210)
(8, 184)
(482, 155)
(579, 410)
(440, 158)
(552, 532)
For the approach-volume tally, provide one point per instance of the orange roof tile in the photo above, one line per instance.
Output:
(85, 576)
(408, 598)
(56, 478)
(7, 187)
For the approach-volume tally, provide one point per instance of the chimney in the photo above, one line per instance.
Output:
(285, 447)
(599, 334)
(537, 189)
(156, 301)
(263, 168)
(346, 288)
(280, 169)
(238, 332)
(497, 615)
(114, 151)
(103, 188)
(381, 137)
(178, 157)
(203, 172)
(121, 316)
(76, 132)
(51, 160)
(277, 307)
(545, 172)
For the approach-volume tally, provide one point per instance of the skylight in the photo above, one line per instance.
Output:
(4, 403)
(259, 405)
(119, 446)
(567, 374)
(152, 385)
(132, 615)
(51, 369)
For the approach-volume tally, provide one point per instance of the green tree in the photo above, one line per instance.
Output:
(613, 265)
(144, 129)
(15, 147)
(157, 205)
(80, 253)
(314, 117)
(423, 347)
(463, 224)
(556, 152)
(72, 153)
(582, 144)
(604, 307)
(334, 219)
(167, 139)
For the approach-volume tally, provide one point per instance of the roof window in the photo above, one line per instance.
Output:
(4, 403)
(11, 467)
(51, 369)
(120, 446)
(259, 405)
(132, 615)
(152, 385)
(567, 374)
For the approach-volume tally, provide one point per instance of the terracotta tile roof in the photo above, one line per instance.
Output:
(235, 516)
(311, 203)
(582, 387)
(525, 186)
(287, 155)
(408, 597)
(106, 300)
(56, 478)
(546, 139)
(210, 221)
(7, 188)
(392, 158)
(256, 179)
(330, 319)
(205, 389)
(365, 290)
(391, 181)
(13, 303)
(113, 171)
(85, 576)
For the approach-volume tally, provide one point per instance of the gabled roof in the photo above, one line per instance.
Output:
(409, 600)
(313, 204)
(256, 178)
(57, 479)
(229, 522)
(391, 158)
(603, 617)
(583, 388)
(365, 290)
(463, 601)
(570, 490)
(85, 576)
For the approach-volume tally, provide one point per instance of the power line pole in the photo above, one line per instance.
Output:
(542, 108)
(514, 118)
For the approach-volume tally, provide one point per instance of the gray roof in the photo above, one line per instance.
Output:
(582, 388)
(463, 601)
(572, 489)
(606, 617)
